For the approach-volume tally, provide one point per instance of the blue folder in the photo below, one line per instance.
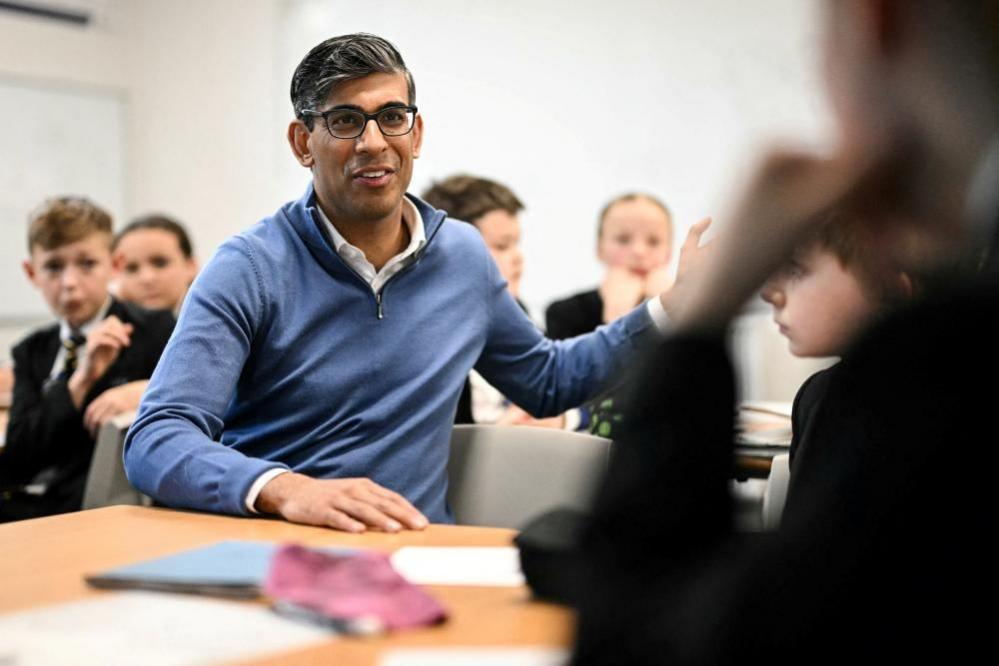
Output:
(234, 569)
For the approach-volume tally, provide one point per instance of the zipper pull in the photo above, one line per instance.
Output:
(378, 302)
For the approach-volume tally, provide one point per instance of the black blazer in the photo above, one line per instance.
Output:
(887, 550)
(45, 430)
(574, 316)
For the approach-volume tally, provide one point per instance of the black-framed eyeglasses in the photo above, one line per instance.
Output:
(350, 123)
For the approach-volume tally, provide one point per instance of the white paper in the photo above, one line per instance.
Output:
(476, 657)
(459, 565)
(148, 628)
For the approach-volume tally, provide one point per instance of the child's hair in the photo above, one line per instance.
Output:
(468, 197)
(64, 220)
(164, 223)
(849, 240)
(633, 196)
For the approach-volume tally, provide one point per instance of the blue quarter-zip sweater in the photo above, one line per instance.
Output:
(282, 357)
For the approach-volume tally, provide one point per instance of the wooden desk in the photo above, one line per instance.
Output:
(45, 560)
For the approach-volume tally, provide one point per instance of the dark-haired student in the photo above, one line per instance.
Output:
(888, 553)
(73, 376)
(154, 263)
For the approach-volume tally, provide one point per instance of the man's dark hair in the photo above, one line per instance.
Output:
(468, 198)
(163, 223)
(340, 59)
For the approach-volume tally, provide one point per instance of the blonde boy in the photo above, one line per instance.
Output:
(72, 376)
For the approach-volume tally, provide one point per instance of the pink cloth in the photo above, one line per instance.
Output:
(350, 587)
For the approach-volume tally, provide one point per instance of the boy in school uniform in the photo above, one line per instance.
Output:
(73, 376)
(832, 290)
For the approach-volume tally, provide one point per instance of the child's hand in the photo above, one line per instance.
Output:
(104, 344)
(621, 291)
(111, 403)
(514, 415)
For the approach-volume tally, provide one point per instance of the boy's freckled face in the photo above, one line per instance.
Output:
(73, 278)
(819, 305)
(636, 235)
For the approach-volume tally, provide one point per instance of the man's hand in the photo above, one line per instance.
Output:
(692, 255)
(657, 281)
(621, 291)
(104, 344)
(111, 403)
(351, 505)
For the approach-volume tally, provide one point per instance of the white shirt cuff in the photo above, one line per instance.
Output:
(658, 314)
(258, 485)
(572, 420)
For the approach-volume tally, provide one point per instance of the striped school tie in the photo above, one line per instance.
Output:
(72, 346)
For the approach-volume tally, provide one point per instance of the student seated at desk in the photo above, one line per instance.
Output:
(634, 243)
(833, 288)
(154, 263)
(889, 550)
(77, 374)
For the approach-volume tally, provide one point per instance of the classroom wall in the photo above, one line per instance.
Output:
(519, 91)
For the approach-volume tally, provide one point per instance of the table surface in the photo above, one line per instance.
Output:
(45, 560)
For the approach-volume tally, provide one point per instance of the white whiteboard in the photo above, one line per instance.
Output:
(53, 141)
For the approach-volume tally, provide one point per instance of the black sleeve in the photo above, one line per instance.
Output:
(156, 334)
(43, 422)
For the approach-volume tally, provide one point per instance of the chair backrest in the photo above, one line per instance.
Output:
(776, 491)
(106, 482)
(503, 476)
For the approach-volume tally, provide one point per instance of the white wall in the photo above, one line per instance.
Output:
(572, 102)
(569, 103)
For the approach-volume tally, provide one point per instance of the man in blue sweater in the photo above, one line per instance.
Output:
(318, 359)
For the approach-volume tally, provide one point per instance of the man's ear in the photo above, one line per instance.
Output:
(29, 270)
(417, 135)
(298, 138)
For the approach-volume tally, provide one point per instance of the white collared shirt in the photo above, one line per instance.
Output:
(66, 332)
(355, 258)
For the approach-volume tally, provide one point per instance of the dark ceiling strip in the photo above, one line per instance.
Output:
(65, 15)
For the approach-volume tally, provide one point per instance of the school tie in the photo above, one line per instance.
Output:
(72, 346)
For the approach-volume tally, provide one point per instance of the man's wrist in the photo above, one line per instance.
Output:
(268, 492)
(660, 317)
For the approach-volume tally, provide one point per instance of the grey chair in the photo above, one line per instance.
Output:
(776, 491)
(107, 484)
(503, 476)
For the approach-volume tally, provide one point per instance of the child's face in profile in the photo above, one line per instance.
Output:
(636, 235)
(501, 232)
(819, 305)
(73, 278)
(152, 269)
